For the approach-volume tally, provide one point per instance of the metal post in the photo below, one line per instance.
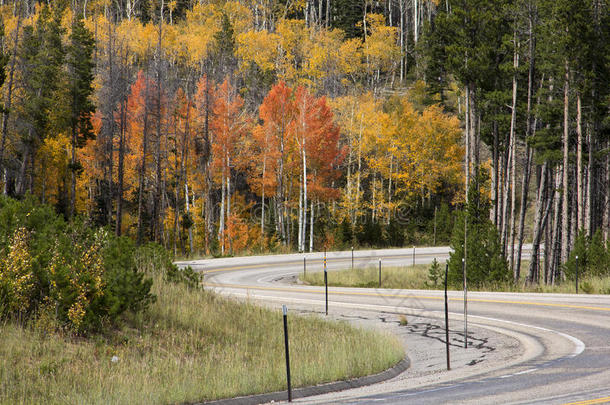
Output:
(465, 305)
(447, 319)
(379, 273)
(413, 255)
(326, 282)
(285, 311)
(576, 274)
(352, 258)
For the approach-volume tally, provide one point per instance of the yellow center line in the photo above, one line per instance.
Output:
(421, 297)
(590, 401)
(337, 259)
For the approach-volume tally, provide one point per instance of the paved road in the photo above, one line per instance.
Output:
(564, 338)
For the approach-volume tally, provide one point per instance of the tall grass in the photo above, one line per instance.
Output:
(391, 277)
(191, 345)
(417, 277)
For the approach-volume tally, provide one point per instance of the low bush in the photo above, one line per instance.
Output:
(76, 275)
(593, 257)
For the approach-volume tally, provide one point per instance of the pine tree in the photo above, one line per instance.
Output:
(80, 88)
(484, 259)
(41, 57)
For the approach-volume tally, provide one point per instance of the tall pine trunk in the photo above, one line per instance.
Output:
(565, 212)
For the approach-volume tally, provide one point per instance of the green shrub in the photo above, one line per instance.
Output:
(81, 275)
(152, 258)
(435, 274)
(593, 257)
(485, 262)
(186, 276)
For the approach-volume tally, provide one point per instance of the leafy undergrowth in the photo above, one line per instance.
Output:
(419, 277)
(191, 345)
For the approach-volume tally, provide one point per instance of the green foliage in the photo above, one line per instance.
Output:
(153, 259)
(444, 225)
(435, 274)
(593, 257)
(42, 54)
(186, 276)
(346, 14)
(80, 67)
(485, 262)
(84, 277)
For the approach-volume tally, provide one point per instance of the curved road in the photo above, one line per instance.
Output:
(564, 355)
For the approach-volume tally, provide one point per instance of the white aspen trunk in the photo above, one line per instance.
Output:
(359, 171)
(513, 145)
(320, 12)
(402, 39)
(263, 199)
(374, 194)
(415, 21)
(304, 193)
(311, 220)
(565, 220)
(300, 232)
(229, 203)
(350, 162)
(221, 225)
(390, 189)
(579, 177)
(467, 141)
(186, 198)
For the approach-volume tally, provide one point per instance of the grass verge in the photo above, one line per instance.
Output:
(191, 345)
(417, 278)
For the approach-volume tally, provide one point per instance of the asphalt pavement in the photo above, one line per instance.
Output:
(549, 348)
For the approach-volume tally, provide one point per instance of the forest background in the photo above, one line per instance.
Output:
(224, 127)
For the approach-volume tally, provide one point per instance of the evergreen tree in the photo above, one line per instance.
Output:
(346, 14)
(224, 49)
(484, 259)
(80, 88)
(41, 56)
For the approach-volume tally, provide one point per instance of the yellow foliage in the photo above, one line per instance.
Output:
(380, 47)
(52, 164)
(350, 56)
(83, 275)
(16, 277)
(142, 37)
(294, 39)
(259, 47)
(427, 148)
